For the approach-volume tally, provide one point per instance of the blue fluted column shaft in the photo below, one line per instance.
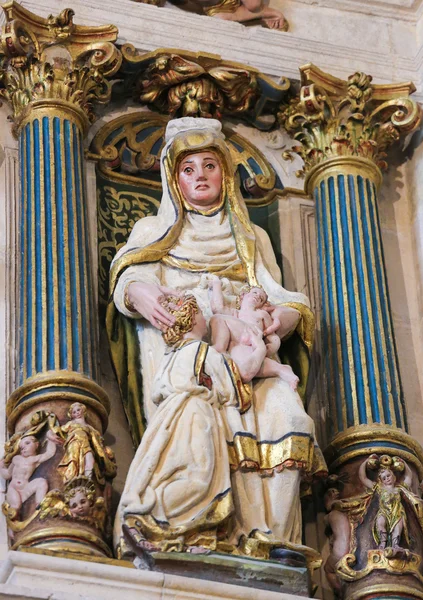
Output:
(357, 333)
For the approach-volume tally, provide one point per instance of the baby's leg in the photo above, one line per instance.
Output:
(396, 533)
(272, 368)
(39, 487)
(272, 344)
(248, 359)
(13, 497)
(381, 529)
(220, 334)
(89, 463)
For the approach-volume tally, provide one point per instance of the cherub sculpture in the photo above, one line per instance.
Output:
(339, 529)
(80, 498)
(21, 460)
(240, 11)
(391, 520)
(248, 334)
(85, 452)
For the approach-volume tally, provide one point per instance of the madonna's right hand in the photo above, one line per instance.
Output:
(145, 299)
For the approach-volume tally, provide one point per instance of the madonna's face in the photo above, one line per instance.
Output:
(200, 180)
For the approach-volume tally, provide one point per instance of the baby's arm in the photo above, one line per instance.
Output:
(363, 477)
(50, 449)
(217, 301)
(408, 475)
(287, 317)
(271, 340)
(6, 472)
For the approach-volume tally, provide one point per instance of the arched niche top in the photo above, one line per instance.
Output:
(127, 151)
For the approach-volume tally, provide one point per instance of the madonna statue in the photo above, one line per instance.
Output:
(212, 472)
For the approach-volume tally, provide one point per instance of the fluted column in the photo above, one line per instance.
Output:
(344, 128)
(54, 73)
(358, 339)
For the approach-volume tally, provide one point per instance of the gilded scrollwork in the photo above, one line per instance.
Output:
(200, 84)
(77, 502)
(377, 529)
(334, 118)
(55, 60)
(22, 458)
(85, 465)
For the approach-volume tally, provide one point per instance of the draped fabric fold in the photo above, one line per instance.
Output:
(260, 442)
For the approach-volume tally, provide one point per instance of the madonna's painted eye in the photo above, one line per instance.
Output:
(188, 170)
(210, 166)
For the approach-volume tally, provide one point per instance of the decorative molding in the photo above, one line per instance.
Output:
(12, 266)
(110, 579)
(274, 53)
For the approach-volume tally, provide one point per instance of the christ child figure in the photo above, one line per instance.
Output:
(391, 519)
(22, 466)
(247, 331)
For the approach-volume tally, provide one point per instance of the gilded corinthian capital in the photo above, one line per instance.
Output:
(48, 62)
(334, 118)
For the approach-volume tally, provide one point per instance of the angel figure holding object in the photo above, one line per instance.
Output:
(85, 453)
(391, 520)
(257, 452)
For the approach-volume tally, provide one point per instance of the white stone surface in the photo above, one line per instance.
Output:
(23, 575)
(9, 193)
(381, 39)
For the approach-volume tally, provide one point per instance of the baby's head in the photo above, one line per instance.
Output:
(386, 476)
(331, 496)
(77, 410)
(255, 297)
(80, 497)
(186, 312)
(28, 446)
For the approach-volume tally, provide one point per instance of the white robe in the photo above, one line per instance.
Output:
(276, 423)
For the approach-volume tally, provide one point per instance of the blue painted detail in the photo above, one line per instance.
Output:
(28, 274)
(329, 284)
(60, 240)
(386, 320)
(49, 245)
(325, 342)
(382, 444)
(368, 348)
(349, 277)
(71, 248)
(22, 257)
(340, 303)
(56, 389)
(373, 291)
(82, 258)
(38, 259)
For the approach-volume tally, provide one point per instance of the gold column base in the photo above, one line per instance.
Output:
(363, 440)
(64, 539)
(343, 165)
(50, 387)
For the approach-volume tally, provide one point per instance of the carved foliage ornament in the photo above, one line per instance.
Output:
(379, 529)
(54, 60)
(333, 118)
(200, 85)
(84, 467)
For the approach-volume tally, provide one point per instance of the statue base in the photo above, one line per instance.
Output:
(268, 575)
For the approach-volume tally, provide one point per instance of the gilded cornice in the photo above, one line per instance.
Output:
(53, 63)
(334, 118)
(180, 83)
